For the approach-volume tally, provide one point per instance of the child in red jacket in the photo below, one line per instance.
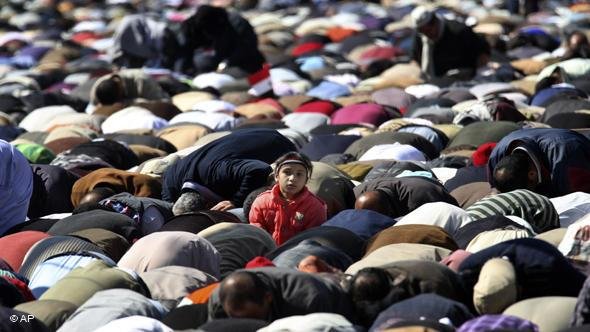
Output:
(289, 207)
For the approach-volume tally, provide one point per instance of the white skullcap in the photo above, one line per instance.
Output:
(421, 16)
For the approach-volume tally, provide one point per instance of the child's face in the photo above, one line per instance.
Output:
(291, 179)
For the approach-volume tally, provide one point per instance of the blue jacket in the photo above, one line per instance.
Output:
(564, 155)
(541, 269)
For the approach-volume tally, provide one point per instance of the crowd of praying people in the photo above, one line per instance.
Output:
(292, 165)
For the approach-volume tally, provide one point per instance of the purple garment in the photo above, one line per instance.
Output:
(371, 22)
(35, 52)
(393, 97)
(61, 87)
(360, 113)
(16, 186)
(498, 322)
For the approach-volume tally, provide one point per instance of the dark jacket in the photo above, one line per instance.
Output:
(231, 166)
(337, 238)
(407, 193)
(294, 293)
(563, 154)
(458, 48)
(541, 270)
(226, 32)
(364, 223)
(52, 187)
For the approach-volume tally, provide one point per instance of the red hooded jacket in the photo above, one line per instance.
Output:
(282, 218)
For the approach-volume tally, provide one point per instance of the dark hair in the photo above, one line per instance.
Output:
(514, 168)
(251, 198)
(109, 91)
(370, 284)
(372, 290)
(576, 33)
(251, 288)
(294, 156)
(90, 207)
(545, 83)
(581, 50)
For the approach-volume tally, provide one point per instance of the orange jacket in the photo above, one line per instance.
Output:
(283, 219)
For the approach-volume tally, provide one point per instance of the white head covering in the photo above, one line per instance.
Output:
(38, 119)
(305, 122)
(316, 322)
(135, 324)
(395, 151)
(132, 118)
(214, 80)
(215, 121)
(444, 215)
(214, 105)
(421, 15)
(422, 90)
(487, 239)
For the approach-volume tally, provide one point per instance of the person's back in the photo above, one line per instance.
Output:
(125, 85)
(292, 293)
(373, 289)
(541, 269)
(443, 46)
(233, 39)
(264, 145)
(561, 159)
(400, 195)
(137, 41)
(458, 48)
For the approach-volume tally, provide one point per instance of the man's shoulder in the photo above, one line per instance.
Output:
(265, 197)
(456, 26)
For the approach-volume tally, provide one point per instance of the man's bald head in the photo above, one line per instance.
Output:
(376, 201)
(244, 295)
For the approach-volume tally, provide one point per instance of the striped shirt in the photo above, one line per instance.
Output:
(536, 209)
